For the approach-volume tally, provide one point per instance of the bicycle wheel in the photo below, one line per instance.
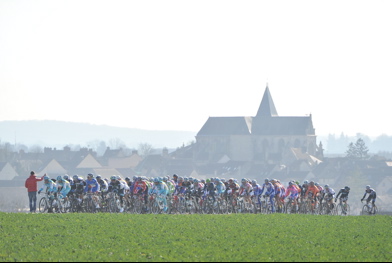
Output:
(223, 207)
(43, 205)
(374, 210)
(365, 210)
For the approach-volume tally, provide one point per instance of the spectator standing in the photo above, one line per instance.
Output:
(31, 185)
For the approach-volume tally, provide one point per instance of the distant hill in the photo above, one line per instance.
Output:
(60, 134)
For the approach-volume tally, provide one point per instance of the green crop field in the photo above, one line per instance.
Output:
(236, 237)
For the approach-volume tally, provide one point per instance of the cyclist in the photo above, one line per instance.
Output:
(233, 190)
(92, 186)
(220, 188)
(210, 189)
(69, 179)
(372, 196)
(292, 190)
(115, 186)
(270, 192)
(280, 191)
(64, 187)
(312, 193)
(304, 189)
(170, 185)
(245, 190)
(328, 193)
(198, 188)
(103, 186)
(343, 193)
(51, 187)
(256, 191)
(141, 188)
(161, 190)
(78, 187)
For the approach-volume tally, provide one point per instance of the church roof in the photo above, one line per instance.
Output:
(283, 126)
(267, 106)
(266, 122)
(226, 126)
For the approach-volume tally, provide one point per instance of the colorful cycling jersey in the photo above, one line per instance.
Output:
(371, 192)
(180, 188)
(270, 190)
(51, 187)
(116, 186)
(292, 190)
(103, 185)
(234, 187)
(91, 186)
(343, 193)
(78, 185)
(277, 188)
(329, 191)
(160, 189)
(245, 188)
(320, 188)
(257, 189)
(64, 187)
(140, 187)
(220, 188)
(312, 189)
(170, 186)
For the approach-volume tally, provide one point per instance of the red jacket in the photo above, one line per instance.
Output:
(31, 183)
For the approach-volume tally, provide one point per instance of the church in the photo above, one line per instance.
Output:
(265, 138)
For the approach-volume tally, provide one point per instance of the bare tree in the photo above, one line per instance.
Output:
(116, 143)
(145, 149)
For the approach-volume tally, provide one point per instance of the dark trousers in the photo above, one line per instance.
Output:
(33, 201)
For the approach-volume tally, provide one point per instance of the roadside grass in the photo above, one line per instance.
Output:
(235, 237)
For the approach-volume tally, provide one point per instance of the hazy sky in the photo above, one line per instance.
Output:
(169, 65)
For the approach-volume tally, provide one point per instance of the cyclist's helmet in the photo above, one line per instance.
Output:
(127, 179)
(66, 177)
(156, 180)
(297, 182)
(267, 180)
(186, 179)
(196, 181)
(290, 183)
(223, 180)
(118, 177)
(59, 178)
(243, 180)
(306, 182)
(208, 180)
(254, 182)
(113, 177)
(203, 181)
(347, 188)
(368, 187)
(317, 184)
(165, 179)
(98, 177)
(75, 177)
(46, 178)
(90, 175)
(326, 186)
(174, 175)
(311, 183)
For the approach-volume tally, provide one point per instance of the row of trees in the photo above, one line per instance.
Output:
(381, 145)
(7, 149)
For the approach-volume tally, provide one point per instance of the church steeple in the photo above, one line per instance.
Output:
(267, 107)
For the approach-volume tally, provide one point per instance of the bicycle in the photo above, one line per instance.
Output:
(342, 209)
(290, 207)
(266, 205)
(45, 204)
(369, 210)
